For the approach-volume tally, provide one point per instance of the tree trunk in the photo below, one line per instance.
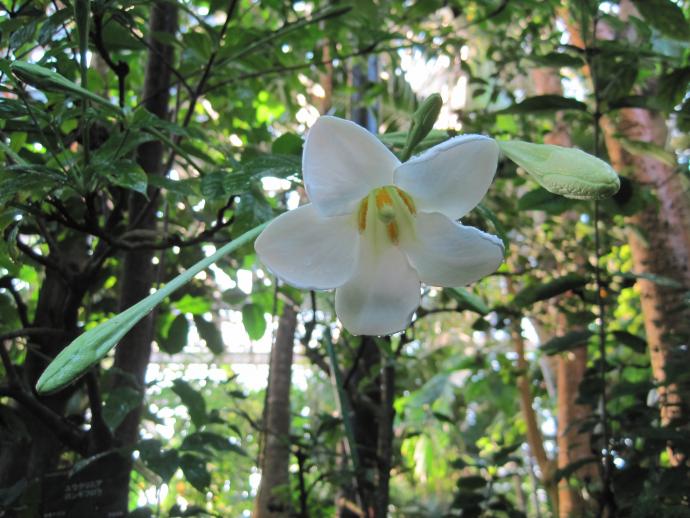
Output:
(573, 445)
(138, 274)
(273, 497)
(659, 238)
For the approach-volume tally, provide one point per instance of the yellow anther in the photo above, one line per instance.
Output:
(407, 200)
(383, 198)
(392, 230)
(362, 215)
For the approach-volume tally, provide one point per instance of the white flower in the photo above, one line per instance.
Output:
(375, 228)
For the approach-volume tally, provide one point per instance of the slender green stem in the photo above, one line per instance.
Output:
(90, 347)
(345, 410)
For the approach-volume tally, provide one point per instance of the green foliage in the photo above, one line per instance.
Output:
(74, 141)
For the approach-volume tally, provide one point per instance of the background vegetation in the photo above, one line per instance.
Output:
(556, 387)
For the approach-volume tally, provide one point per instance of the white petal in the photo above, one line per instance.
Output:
(446, 253)
(308, 250)
(383, 293)
(342, 162)
(452, 177)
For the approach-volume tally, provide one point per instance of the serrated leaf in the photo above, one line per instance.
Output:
(193, 400)
(566, 342)
(176, 338)
(568, 172)
(210, 334)
(254, 321)
(128, 174)
(545, 103)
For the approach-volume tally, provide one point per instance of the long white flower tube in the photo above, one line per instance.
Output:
(376, 229)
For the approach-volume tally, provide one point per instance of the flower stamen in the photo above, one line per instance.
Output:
(362, 215)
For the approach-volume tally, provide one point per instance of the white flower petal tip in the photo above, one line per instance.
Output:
(341, 163)
(452, 177)
(382, 295)
(449, 254)
(308, 250)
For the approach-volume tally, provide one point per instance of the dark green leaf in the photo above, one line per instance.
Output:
(210, 334)
(665, 16)
(570, 469)
(636, 343)
(472, 482)
(287, 144)
(120, 402)
(207, 443)
(176, 338)
(468, 300)
(541, 199)
(537, 292)
(541, 103)
(194, 469)
(254, 320)
(566, 342)
(128, 174)
(193, 400)
(160, 461)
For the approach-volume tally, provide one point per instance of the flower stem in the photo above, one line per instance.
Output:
(90, 347)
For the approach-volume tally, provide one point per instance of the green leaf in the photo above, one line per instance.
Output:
(557, 59)
(665, 16)
(210, 334)
(541, 199)
(542, 103)
(487, 213)
(661, 280)
(471, 482)
(637, 344)
(639, 147)
(254, 320)
(90, 347)
(128, 174)
(287, 144)
(571, 468)
(160, 461)
(120, 402)
(207, 443)
(194, 469)
(212, 186)
(536, 292)
(468, 300)
(569, 172)
(176, 338)
(44, 78)
(193, 400)
(566, 342)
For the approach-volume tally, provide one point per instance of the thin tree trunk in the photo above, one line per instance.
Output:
(273, 497)
(573, 444)
(132, 354)
(659, 238)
